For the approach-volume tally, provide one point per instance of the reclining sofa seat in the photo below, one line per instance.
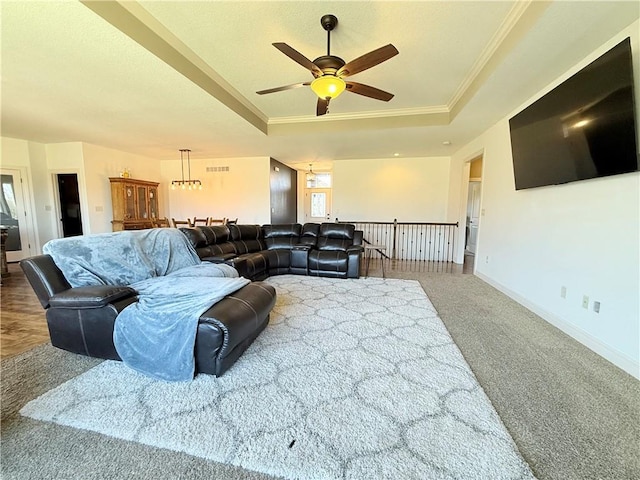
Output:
(335, 254)
(258, 252)
(81, 319)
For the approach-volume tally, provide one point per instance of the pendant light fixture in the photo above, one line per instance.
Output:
(311, 177)
(186, 184)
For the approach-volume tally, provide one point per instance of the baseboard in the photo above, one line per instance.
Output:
(632, 367)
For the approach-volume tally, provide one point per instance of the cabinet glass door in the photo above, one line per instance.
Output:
(153, 202)
(129, 202)
(143, 211)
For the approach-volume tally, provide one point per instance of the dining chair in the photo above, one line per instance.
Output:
(160, 222)
(200, 221)
(217, 221)
(181, 223)
(235, 222)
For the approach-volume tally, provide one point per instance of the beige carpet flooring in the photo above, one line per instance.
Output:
(572, 414)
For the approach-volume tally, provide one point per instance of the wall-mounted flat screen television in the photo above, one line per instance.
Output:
(584, 128)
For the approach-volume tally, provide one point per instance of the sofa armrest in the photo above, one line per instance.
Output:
(96, 296)
(222, 258)
(223, 330)
(354, 253)
(355, 249)
(302, 246)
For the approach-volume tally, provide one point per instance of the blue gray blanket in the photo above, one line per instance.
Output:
(155, 335)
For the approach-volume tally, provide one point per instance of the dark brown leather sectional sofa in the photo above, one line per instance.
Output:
(81, 320)
(326, 250)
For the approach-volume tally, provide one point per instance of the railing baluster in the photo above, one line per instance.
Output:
(412, 241)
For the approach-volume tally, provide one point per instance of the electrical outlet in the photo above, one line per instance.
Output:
(596, 307)
(563, 291)
(486, 260)
(585, 301)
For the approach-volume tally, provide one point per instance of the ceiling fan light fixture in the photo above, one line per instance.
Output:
(328, 86)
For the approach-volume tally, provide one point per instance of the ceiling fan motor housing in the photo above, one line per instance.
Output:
(329, 64)
(329, 22)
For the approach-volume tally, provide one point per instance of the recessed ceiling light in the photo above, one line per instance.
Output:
(446, 142)
(396, 154)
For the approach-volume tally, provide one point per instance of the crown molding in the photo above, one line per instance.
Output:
(520, 19)
(402, 118)
(393, 113)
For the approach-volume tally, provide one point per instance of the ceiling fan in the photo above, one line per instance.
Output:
(329, 71)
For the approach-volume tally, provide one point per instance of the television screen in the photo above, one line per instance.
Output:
(584, 128)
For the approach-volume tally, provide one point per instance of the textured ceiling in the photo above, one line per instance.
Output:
(152, 77)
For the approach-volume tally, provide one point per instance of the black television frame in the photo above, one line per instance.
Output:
(552, 141)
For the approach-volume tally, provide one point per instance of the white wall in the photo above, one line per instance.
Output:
(100, 163)
(243, 192)
(408, 189)
(582, 235)
(45, 220)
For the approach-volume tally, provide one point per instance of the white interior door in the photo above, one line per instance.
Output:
(473, 215)
(13, 215)
(317, 205)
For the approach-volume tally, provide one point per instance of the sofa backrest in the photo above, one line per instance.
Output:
(216, 234)
(216, 240)
(335, 236)
(247, 238)
(209, 241)
(309, 234)
(285, 235)
(45, 277)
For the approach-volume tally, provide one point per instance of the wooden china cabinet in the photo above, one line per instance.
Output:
(134, 202)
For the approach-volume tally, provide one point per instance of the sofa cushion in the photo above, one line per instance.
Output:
(250, 265)
(247, 238)
(309, 234)
(196, 236)
(333, 244)
(281, 236)
(326, 261)
(335, 236)
(216, 234)
(337, 230)
(278, 258)
(218, 249)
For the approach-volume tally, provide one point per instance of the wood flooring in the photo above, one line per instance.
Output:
(23, 324)
(22, 318)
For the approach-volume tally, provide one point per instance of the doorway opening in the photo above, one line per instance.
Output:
(473, 210)
(14, 204)
(69, 197)
(317, 196)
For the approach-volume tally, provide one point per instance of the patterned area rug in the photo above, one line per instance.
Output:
(352, 379)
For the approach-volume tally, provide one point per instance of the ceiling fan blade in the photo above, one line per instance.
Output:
(368, 91)
(368, 60)
(296, 56)
(323, 107)
(286, 87)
